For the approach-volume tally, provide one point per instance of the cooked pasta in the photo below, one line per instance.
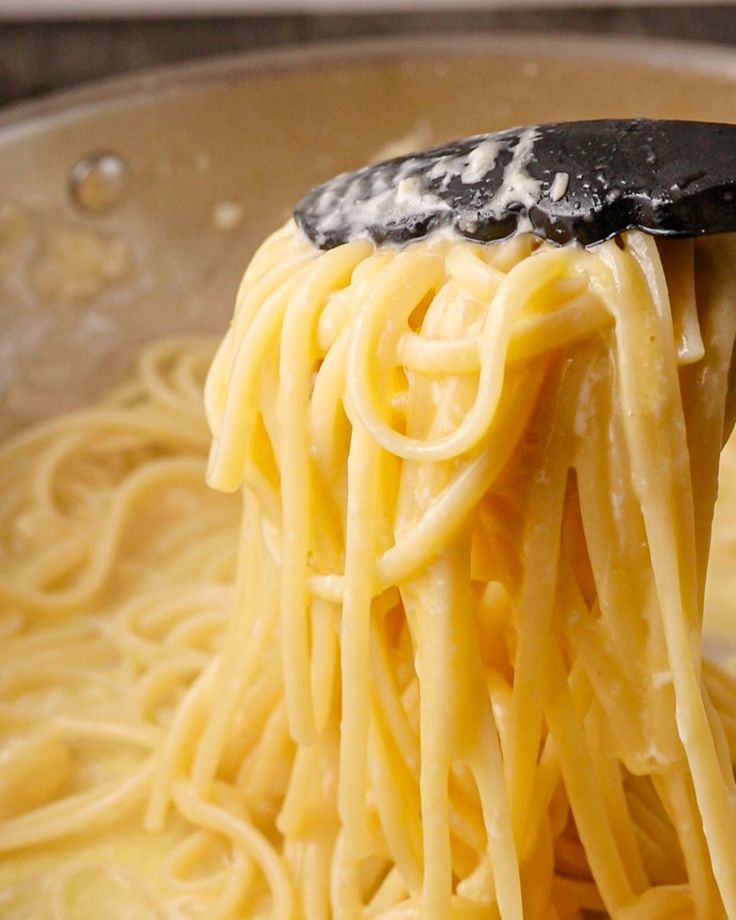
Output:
(451, 666)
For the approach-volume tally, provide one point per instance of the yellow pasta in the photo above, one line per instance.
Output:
(438, 654)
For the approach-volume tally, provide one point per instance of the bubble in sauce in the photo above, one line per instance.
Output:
(98, 181)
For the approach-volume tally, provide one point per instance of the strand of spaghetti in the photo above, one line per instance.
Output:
(419, 542)
(254, 843)
(147, 422)
(329, 588)
(25, 672)
(308, 815)
(338, 313)
(56, 564)
(546, 781)
(232, 422)
(193, 358)
(591, 646)
(177, 390)
(404, 283)
(678, 264)
(585, 800)
(198, 846)
(252, 742)
(169, 673)
(141, 735)
(360, 588)
(537, 876)
(134, 488)
(574, 321)
(655, 828)
(609, 511)
(324, 617)
(387, 700)
(487, 768)
(76, 813)
(391, 891)
(47, 466)
(249, 301)
(467, 266)
(610, 781)
(478, 884)
(326, 275)
(229, 894)
(655, 318)
(345, 899)
(535, 605)
(667, 532)
(274, 747)
(445, 636)
(371, 336)
(168, 763)
(259, 701)
(467, 828)
(427, 602)
(271, 267)
(668, 902)
(477, 740)
(628, 607)
(533, 335)
(197, 630)
(328, 426)
(317, 874)
(59, 881)
(675, 789)
(157, 610)
(463, 824)
(249, 629)
(705, 384)
(397, 800)
(460, 909)
(719, 735)
(443, 639)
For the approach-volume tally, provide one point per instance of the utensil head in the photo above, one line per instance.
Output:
(580, 181)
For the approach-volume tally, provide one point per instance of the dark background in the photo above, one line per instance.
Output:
(36, 57)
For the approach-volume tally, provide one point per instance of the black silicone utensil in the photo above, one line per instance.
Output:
(581, 181)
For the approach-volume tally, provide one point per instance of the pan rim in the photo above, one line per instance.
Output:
(144, 87)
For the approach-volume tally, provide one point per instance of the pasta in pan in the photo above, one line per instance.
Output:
(451, 667)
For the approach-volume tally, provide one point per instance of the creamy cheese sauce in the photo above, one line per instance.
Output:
(416, 191)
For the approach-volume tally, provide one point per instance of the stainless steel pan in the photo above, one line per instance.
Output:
(216, 153)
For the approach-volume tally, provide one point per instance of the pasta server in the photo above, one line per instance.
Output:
(580, 181)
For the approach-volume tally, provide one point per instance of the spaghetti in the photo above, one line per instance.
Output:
(458, 672)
